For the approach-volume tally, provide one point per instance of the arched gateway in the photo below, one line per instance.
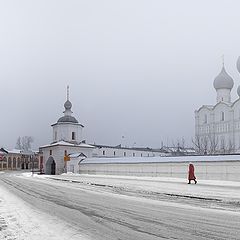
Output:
(50, 166)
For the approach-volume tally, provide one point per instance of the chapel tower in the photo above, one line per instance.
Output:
(67, 128)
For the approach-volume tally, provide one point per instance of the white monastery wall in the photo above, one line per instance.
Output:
(223, 170)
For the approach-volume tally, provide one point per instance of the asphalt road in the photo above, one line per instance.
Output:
(104, 214)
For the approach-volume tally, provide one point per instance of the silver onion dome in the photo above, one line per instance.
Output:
(223, 80)
(238, 64)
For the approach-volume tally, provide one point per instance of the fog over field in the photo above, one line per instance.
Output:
(136, 68)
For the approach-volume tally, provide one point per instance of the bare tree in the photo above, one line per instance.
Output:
(223, 145)
(231, 146)
(213, 143)
(24, 143)
(182, 144)
(19, 143)
(205, 145)
(197, 144)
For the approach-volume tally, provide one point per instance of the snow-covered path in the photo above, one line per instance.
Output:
(224, 191)
(104, 207)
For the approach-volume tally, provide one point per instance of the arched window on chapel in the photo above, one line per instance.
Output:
(205, 118)
(222, 116)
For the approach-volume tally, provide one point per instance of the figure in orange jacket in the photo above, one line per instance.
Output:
(191, 175)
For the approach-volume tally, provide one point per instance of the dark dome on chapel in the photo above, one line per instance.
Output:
(66, 119)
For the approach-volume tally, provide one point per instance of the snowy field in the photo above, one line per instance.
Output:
(72, 206)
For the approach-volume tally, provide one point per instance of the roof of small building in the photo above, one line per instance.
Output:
(15, 151)
(128, 148)
(3, 151)
(64, 143)
(67, 118)
(76, 155)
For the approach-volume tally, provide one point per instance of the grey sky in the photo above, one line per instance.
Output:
(135, 68)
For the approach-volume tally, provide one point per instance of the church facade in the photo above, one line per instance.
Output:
(217, 127)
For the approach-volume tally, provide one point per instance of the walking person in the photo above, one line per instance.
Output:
(191, 174)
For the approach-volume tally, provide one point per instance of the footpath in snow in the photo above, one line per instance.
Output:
(226, 191)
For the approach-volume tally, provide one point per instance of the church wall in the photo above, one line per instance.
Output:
(220, 127)
(223, 95)
(64, 132)
(58, 153)
(201, 115)
(236, 109)
(218, 112)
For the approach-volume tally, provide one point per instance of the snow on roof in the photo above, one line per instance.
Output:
(15, 151)
(76, 155)
(161, 159)
(3, 151)
(63, 143)
(58, 143)
(143, 149)
(86, 145)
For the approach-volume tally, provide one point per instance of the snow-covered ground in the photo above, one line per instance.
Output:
(20, 220)
(208, 189)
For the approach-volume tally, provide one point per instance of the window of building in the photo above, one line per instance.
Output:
(124, 154)
(114, 153)
(103, 152)
(222, 116)
(133, 154)
(65, 153)
(50, 152)
(55, 135)
(73, 136)
(141, 154)
(205, 118)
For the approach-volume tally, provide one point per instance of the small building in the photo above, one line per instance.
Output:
(67, 140)
(18, 159)
(75, 159)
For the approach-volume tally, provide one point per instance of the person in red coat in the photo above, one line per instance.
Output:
(191, 175)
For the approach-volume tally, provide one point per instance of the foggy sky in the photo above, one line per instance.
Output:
(135, 68)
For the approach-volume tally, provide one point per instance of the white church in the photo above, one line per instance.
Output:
(217, 127)
(66, 139)
(68, 148)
